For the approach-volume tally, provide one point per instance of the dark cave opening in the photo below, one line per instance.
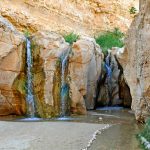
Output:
(112, 89)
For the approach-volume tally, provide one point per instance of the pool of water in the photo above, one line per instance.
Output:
(121, 135)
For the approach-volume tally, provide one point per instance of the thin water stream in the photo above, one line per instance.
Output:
(29, 96)
(64, 85)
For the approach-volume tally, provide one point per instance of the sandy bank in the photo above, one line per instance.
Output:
(46, 135)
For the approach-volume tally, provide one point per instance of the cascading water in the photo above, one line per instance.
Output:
(108, 67)
(109, 77)
(64, 85)
(29, 96)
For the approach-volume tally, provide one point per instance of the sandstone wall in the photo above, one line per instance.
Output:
(82, 69)
(136, 62)
(12, 91)
(81, 16)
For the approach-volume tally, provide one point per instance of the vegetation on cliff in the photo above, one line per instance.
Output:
(110, 39)
(133, 10)
(71, 37)
(144, 136)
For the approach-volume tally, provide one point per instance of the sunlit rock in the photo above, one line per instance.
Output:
(12, 77)
(83, 17)
(84, 69)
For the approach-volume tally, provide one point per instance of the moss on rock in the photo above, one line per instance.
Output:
(57, 87)
(19, 86)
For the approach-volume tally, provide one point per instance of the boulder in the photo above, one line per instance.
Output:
(12, 77)
(84, 70)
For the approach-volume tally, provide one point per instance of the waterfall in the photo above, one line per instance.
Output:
(109, 77)
(108, 67)
(64, 85)
(29, 96)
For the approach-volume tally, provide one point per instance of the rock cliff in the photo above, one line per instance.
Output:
(136, 62)
(83, 63)
(86, 17)
(78, 74)
(12, 50)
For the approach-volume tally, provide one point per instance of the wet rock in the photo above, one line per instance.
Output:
(112, 88)
(81, 73)
(109, 88)
(48, 47)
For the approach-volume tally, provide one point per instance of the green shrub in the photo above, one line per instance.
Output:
(70, 38)
(110, 39)
(27, 33)
(144, 136)
(132, 10)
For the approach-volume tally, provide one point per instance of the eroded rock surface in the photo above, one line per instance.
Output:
(12, 91)
(112, 88)
(135, 60)
(84, 69)
(83, 17)
(48, 47)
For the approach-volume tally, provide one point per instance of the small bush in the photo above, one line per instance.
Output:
(27, 33)
(109, 39)
(146, 131)
(132, 10)
(70, 38)
(144, 136)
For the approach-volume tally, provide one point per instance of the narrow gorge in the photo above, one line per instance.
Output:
(73, 63)
(59, 78)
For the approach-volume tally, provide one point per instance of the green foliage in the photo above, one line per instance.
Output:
(145, 134)
(70, 38)
(132, 10)
(58, 62)
(27, 33)
(110, 39)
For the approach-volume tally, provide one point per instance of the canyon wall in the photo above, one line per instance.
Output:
(136, 62)
(84, 63)
(81, 71)
(12, 77)
(85, 17)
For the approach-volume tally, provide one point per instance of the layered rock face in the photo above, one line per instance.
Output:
(83, 17)
(136, 62)
(12, 92)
